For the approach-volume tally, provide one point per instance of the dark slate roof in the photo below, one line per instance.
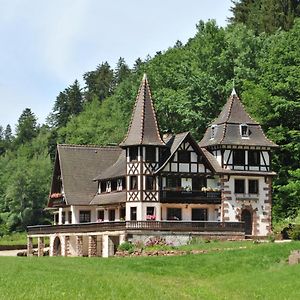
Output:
(118, 169)
(227, 130)
(143, 128)
(109, 198)
(79, 165)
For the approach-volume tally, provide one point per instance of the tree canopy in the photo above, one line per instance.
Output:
(190, 84)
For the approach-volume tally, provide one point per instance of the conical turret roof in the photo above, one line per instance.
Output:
(143, 128)
(234, 112)
(226, 128)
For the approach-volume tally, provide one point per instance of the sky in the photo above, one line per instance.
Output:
(46, 44)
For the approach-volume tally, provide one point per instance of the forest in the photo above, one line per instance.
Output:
(258, 50)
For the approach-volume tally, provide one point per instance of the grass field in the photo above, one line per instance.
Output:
(258, 272)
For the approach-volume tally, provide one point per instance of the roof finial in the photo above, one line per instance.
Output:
(233, 93)
(144, 77)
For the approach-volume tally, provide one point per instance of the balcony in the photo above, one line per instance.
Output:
(132, 226)
(190, 197)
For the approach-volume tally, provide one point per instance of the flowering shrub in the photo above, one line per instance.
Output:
(56, 196)
(151, 217)
(157, 241)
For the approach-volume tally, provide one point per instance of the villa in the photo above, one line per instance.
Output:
(161, 185)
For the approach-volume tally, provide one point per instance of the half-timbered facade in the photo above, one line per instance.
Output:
(166, 185)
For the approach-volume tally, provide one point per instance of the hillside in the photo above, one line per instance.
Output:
(190, 83)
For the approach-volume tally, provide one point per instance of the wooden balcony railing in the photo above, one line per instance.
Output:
(176, 226)
(182, 196)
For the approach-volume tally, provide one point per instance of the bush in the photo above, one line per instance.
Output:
(294, 232)
(126, 246)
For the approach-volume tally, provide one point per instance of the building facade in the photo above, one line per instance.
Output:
(166, 185)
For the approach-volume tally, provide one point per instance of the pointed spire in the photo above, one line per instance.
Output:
(143, 128)
(234, 111)
(233, 93)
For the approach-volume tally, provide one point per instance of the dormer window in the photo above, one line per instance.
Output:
(213, 131)
(244, 130)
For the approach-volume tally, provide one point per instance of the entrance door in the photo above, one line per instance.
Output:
(199, 214)
(247, 218)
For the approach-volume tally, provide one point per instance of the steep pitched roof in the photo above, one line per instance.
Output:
(118, 169)
(78, 166)
(227, 127)
(234, 112)
(109, 198)
(143, 128)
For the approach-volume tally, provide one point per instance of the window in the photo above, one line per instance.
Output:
(253, 186)
(70, 217)
(150, 215)
(238, 157)
(244, 130)
(253, 158)
(133, 153)
(114, 185)
(172, 182)
(184, 156)
(213, 131)
(198, 183)
(133, 213)
(63, 217)
(111, 214)
(56, 218)
(133, 183)
(150, 210)
(150, 154)
(150, 183)
(84, 216)
(239, 186)
(100, 215)
(108, 186)
(174, 214)
(122, 213)
(120, 185)
(199, 214)
(103, 186)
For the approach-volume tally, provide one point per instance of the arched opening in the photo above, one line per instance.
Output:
(57, 247)
(247, 218)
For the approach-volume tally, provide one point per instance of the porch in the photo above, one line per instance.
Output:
(103, 238)
(128, 226)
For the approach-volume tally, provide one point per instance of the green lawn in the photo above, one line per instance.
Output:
(18, 238)
(258, 272)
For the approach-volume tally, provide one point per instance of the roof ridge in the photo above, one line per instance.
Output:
(90, 146)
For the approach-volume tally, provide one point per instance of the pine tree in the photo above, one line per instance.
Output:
(26, 128)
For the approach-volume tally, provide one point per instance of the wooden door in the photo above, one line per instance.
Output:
(247, 218)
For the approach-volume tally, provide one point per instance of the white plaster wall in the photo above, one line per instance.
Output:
(75, 213)
(139, 210)
(234, 205)
(157, 210)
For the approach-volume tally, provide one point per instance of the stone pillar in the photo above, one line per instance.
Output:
(41, 246)
(79, 244)
(99, 245)
(29, 246)
(122, 238)
(92, 245)
(67, 246)
(105, 246)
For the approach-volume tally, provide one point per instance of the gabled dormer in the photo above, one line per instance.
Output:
(236, 140)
